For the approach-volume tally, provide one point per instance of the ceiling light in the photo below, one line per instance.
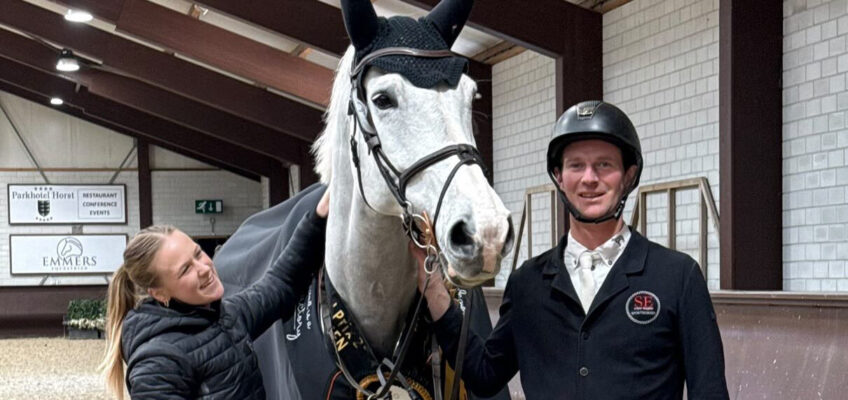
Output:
(56, 101)
(67, 62)
(78, 16)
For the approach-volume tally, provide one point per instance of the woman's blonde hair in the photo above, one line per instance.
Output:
(128, 286)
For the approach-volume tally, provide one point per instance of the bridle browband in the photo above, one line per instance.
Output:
(397, 182)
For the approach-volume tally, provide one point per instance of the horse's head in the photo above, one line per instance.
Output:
(472, 226)
(415, 148)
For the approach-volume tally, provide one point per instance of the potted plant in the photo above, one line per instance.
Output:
(86, 318)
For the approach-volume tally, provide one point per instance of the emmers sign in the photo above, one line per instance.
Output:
(66, 254)
(67, 204)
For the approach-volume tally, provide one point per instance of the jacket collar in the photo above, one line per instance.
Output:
(631, 261)
(178, 308)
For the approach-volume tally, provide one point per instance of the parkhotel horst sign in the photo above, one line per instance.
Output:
(67, 204)
(66, 254)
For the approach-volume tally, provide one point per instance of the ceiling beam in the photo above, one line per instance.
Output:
(497, 53)
(537, 25)
(168, 72)
(222, 49)
(566, 32)
(287, 17)
(38, 86)
(295, 19)
(161, 103)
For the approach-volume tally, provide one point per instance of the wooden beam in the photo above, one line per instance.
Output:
(482, 115)
(161, 103)
(609, 5)
(750, 144)
(497, 53)
(169, 73)
(566, 32)
(145, 185)
(278, 185)
(537, 25)
(39, 86)
(307, 21)
(226, 50)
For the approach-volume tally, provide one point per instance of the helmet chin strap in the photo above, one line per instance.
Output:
(612, 214)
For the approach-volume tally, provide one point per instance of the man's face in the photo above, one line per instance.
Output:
(593, 177)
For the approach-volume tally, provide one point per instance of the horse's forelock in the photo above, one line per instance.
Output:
(334, 134)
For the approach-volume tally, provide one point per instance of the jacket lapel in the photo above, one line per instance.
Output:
(632, 261)
(556, 266)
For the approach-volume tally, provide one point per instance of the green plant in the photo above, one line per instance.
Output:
(87, 314)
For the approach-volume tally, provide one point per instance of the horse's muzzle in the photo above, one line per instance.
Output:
(476, 250)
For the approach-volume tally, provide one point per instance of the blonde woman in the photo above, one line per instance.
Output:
(181, 340)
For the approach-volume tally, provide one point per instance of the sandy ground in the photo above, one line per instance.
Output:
(51, 368)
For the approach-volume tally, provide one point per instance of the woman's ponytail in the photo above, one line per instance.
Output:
(121, 299)
(129, 284)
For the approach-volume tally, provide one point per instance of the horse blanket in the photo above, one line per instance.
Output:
(294, 358)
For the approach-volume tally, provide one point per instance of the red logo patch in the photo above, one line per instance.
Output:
(643, 307)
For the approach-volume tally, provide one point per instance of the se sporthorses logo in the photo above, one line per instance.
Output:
(642, 307)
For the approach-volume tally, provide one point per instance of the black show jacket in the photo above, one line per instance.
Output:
(619, 350)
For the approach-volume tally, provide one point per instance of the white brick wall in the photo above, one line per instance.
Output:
(660, 63)
(815, 143)
(661, 67)
(174, 193)
(524, 109)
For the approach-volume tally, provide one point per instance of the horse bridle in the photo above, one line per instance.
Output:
(397, 182)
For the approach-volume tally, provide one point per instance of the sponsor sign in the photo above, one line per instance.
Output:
(67, 204)
(66, 254)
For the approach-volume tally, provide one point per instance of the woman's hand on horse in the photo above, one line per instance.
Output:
(323, 207)
(438, 298)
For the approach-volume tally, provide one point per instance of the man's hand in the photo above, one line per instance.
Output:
(438, 298)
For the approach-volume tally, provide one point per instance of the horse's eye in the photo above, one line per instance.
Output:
(382, 101)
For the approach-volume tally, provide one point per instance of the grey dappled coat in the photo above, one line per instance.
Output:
(185, 351)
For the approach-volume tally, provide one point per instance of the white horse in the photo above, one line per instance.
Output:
(367, 257)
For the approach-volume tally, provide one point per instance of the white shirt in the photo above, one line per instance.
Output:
(609, 252)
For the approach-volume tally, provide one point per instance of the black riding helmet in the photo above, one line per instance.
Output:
(595, 120)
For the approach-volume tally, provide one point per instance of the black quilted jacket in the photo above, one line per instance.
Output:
(187, 352)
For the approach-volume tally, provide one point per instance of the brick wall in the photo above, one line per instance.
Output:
(523, 105)
(174, 193)
(815, 143)
(661, 67)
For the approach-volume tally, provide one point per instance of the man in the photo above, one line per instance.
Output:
(606, 314)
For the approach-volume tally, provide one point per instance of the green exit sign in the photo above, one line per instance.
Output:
(208, 206)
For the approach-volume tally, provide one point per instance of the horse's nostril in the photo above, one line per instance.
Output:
(461, 238)
(510, 238)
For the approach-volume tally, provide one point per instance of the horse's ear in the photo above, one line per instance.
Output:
(449, 16)
(360, 21)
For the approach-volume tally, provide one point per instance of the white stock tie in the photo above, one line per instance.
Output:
(587, 281)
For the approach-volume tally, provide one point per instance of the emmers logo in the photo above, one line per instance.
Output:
(69, 247)
(69, 257)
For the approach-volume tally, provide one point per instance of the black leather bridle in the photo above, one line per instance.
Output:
(397, 182)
